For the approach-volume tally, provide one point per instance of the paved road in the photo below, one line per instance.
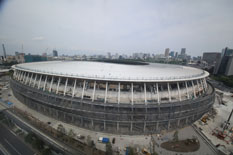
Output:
(12, 143)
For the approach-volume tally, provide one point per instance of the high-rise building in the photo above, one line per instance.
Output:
(55, 53)
(172, 53)
(183, 51)
(211, 57)
(166, 54)
(225, 65)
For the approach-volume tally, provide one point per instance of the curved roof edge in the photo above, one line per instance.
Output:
(204, 74)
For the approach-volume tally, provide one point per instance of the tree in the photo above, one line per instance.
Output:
(71, 135)
(109, 149)
(175, 136)
(131, 150)
(61, 130)
(89, 141)
(46, 151)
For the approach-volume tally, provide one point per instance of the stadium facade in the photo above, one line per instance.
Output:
(115, 98)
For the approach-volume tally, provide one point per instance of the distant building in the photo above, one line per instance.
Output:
(166, 54)
(211, 57)
(34, 58)
(55, 53)
(229, 68)
(19, 57)
(225, 64)
(172, 54)
(44, 54)
(109, 56)
(183, 51)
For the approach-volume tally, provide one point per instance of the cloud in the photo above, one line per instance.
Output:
(123, 26)
(40, 38)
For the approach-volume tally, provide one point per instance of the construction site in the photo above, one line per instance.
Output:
(217, 125)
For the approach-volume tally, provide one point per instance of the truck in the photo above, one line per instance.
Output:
(103, 139)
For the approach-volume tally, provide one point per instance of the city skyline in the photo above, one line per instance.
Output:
(127, 27)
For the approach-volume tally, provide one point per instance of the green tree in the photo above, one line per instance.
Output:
(175, 136)
(71, 135)
(46, 151)
(131, 151)
(61, 130)
(109, 149)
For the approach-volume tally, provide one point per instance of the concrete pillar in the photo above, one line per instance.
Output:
(202, 86)
(24, 75)
(186, 121)
(84, 85)
(131, 126)
(58, 84)
(104, 125)
(18, 75)
(132, 93)
(75, 81)
(65, 86)
(194, 93)
(27, 78)
(169, 93)
(45, 82)
(157, 126)
(82, 122)
(93, 94)
(35, 81)
(144, 127)
(199, 89)
(178, 122)
(30, 80)
(117, 126)
(119, 93)
(106, 93)
(157, 89)
(168, 125)
(39, 81)
(21, 76)
(187, 89)
(205, 83)
(178, 86)
(51, 84)
(145, 93)
(14, 74)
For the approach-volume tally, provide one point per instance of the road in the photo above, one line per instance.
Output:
(12, 144)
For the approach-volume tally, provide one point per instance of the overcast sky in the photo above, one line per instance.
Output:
(123, 26)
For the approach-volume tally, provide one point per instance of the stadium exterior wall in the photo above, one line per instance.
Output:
(125, 118)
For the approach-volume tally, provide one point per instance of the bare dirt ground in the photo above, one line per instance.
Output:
(181, 146)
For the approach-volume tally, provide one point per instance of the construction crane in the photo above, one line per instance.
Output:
(4, 51)
(227, 123)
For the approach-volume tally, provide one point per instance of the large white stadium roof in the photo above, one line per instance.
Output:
(114, 72)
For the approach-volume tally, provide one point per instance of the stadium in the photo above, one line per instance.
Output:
(115, 98)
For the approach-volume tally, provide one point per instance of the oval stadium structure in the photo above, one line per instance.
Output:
(115, 98)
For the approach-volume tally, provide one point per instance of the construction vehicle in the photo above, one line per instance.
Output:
(204, 119)
(144, 151)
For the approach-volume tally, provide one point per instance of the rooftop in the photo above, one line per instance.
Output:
(114, 72)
